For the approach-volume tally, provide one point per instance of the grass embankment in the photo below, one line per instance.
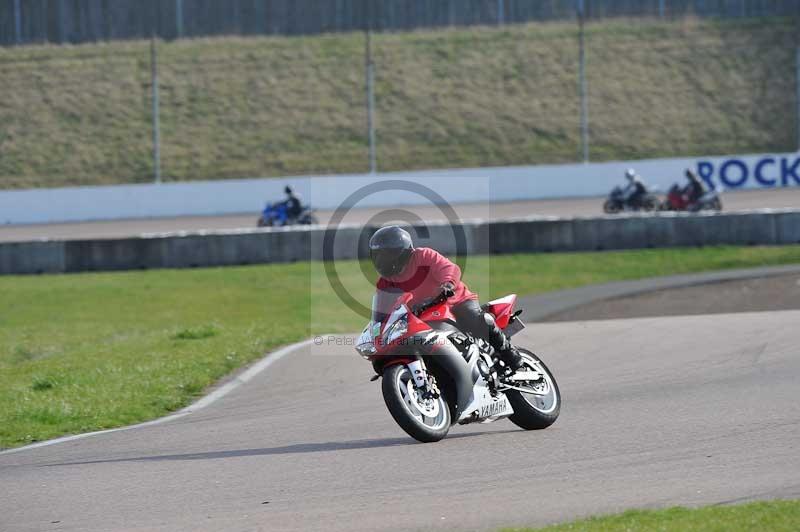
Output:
(773, 516)
(261, 106)
(91, 351)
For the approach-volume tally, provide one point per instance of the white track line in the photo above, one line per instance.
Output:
(219, 393)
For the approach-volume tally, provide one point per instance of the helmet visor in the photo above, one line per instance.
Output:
(388, 262)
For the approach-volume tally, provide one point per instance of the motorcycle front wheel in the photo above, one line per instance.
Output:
(424, 419)
(539, 410)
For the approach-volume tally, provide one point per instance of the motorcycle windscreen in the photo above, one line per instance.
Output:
(384, 303)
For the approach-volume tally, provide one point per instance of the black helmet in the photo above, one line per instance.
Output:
(390, 250)
(288, 190)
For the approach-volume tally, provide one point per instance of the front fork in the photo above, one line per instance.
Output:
(422, 382)
(419, 372)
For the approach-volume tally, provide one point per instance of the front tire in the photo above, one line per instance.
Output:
(424, 420)
(535, 412)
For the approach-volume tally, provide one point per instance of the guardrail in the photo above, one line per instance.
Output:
(275, 245)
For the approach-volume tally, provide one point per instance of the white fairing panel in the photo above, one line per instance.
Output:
(505, 299)
(396, 314)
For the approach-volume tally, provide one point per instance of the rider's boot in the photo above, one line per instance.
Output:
(502, 345)
(510, 357)
(482, 325)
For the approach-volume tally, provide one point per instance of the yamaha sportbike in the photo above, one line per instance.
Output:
(677, 200)
(435, 375)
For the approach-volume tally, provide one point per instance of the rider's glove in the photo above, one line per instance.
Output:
(448, 289)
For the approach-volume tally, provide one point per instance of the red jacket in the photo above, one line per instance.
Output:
(426, 272)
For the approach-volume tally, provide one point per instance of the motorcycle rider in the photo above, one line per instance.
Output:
(694, 190)
(635, 191)
(426, 274)
(293, 205)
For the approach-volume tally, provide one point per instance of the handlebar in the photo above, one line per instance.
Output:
(422, 307)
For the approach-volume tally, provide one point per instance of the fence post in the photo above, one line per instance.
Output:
(582, 85)
(501, 15)
(156, 122)
(370, 71)
(661, 8)
(18, 21)
(179, 18)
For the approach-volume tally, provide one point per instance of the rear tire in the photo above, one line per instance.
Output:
(610, 207)
(395, 384)
(309, 219)
(526, 414)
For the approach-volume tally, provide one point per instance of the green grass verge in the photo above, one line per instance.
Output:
(772, 516)
(97, 350)
(266, 106)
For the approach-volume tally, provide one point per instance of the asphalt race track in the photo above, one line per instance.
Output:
(657, 412)
(733, 201)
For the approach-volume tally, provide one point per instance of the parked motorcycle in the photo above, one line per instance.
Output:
(677, 200)
(276, 214)
(435, 375)
(617, 202)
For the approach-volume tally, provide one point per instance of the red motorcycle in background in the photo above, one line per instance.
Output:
(678, 200)
(435, 375)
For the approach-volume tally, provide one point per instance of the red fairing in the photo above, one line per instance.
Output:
(416, 325)
(502, 309)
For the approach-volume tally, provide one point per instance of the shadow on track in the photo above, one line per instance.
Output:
(298, 448)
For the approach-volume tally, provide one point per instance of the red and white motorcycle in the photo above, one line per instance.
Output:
(435, 375)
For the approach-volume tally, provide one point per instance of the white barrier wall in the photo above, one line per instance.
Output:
(327, 192)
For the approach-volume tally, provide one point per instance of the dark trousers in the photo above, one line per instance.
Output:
(473, 320)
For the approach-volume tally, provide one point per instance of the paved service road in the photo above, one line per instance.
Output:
(773, 198)
(657, 412)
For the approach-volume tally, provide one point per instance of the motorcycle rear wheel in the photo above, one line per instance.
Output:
(309, 219)
(534, 412)
(409, 409)
(610, 207)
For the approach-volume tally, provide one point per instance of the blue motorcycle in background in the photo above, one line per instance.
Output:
(277, 215)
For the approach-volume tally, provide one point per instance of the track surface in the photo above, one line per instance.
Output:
(750, 295)
(740, 200)
(658, 411)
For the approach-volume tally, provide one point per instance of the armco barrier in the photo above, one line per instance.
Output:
(260, 246)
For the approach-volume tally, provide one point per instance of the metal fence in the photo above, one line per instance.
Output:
(481, 96)
(77, 21)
